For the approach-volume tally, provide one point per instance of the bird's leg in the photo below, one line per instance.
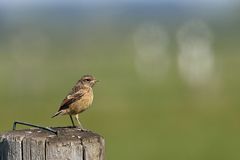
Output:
(80, 125)
(72, 120)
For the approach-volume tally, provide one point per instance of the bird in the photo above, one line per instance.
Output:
(78, 100)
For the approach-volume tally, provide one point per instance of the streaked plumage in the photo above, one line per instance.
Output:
(79, 99)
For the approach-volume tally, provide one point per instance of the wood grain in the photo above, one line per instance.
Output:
(37, 144)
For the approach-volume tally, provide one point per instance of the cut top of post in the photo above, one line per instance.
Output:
(38, 144)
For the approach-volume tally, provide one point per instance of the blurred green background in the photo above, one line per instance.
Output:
(168, 70)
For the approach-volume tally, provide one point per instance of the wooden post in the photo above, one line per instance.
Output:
(37, 144)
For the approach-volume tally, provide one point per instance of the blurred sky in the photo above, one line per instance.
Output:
(223, 3)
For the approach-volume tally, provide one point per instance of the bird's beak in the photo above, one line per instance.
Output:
(94, 82)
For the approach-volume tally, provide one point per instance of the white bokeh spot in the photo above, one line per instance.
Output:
(151, 59)
(195, 57)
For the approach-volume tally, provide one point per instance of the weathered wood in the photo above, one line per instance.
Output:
(37, 144)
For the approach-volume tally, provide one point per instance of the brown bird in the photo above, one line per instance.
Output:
(79, 99)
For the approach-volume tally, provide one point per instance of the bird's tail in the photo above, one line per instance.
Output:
(57, 113)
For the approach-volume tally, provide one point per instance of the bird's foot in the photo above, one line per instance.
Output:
(82, 129)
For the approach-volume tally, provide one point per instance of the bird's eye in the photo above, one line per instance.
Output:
(88, 80)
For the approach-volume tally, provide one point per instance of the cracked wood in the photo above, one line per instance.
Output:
(37, 144)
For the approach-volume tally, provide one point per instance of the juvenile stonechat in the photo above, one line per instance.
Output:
(79, 99)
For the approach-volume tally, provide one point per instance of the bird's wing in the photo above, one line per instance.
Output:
(71, 97)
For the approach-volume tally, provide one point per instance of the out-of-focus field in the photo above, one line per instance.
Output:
(147, 115)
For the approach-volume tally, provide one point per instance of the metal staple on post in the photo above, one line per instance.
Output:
(33, 125)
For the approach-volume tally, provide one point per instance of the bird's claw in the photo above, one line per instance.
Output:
(82, 129)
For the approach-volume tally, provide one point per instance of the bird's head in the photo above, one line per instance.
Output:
(88, 80)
